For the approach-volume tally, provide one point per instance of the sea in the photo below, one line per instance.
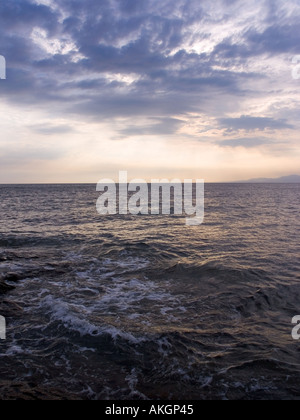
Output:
(144, 307)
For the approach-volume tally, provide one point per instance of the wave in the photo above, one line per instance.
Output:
(60, 311)
(33, 240)
(217, 270)
(261, 366)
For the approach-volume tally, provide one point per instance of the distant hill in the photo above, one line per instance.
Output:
(291, 179)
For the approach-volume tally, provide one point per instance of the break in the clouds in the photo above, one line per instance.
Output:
(172, 73)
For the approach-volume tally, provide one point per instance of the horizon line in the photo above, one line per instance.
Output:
(149, 182)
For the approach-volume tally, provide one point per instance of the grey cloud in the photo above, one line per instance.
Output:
(247, 143)
(276, 39)
(134, 37)
(21, 16)
(49, 130)
(249, 123)
(162, 126)
(280, 35)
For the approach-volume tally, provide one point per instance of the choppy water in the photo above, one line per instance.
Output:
(146, 307)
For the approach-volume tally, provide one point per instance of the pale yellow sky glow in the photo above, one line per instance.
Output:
(164, 91)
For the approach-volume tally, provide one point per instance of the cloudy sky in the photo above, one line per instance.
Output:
(161, 88)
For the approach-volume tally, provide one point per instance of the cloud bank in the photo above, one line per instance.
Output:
(211, 72)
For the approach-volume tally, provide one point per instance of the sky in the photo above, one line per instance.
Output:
(160, 88)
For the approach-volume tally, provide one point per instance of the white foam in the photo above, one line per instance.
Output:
(59, 310)
(128, 263)
(132, 380)
(164, 346)
(15, 350)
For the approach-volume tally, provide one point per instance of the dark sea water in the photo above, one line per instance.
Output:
(124, 307)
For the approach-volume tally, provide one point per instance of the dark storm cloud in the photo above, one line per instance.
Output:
(146, 40)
